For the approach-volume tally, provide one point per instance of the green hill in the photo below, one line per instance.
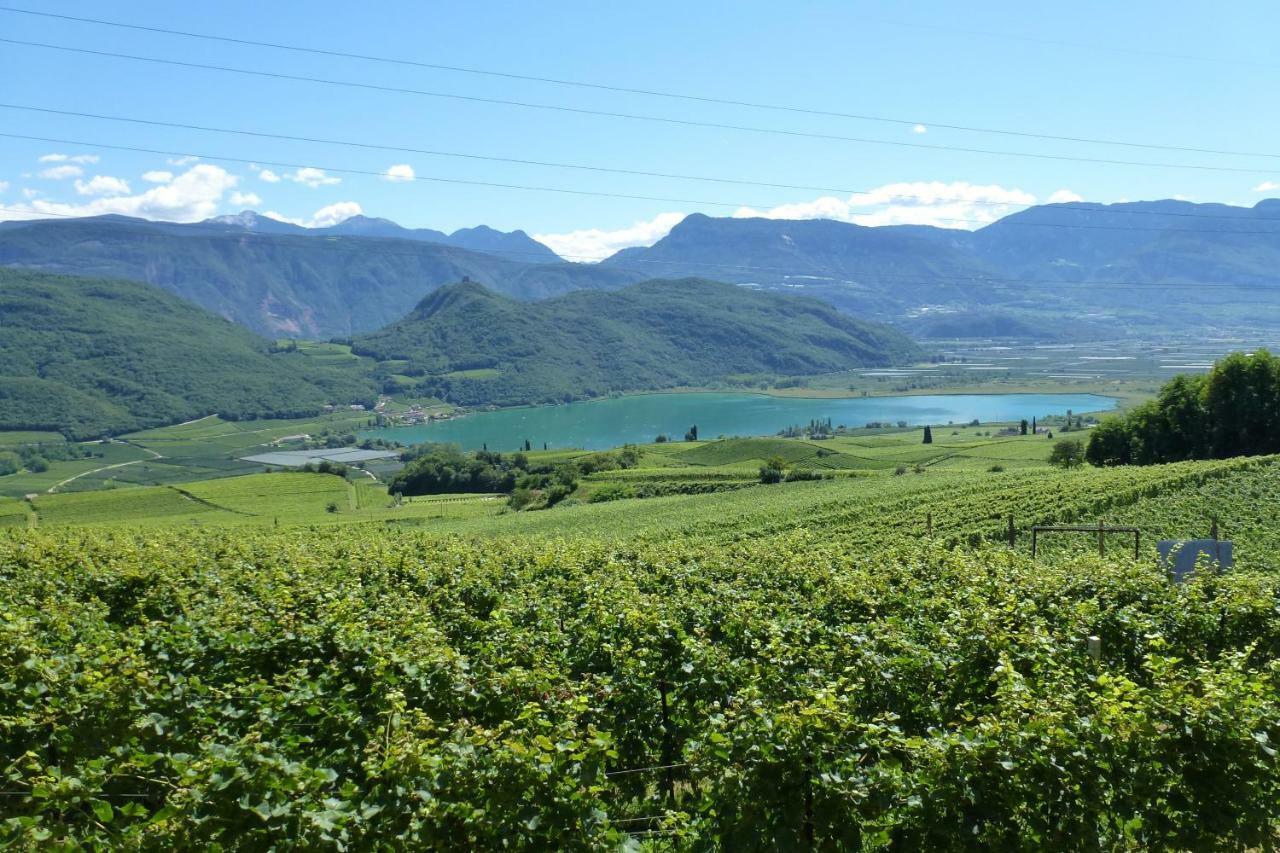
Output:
(471, 346)
(88, 357)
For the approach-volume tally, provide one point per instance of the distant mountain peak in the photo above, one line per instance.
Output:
(245, 219)
(513, 245)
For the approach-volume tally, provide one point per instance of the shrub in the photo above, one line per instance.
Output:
(1067, 453)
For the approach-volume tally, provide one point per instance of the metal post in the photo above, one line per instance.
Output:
(1095, 647)
(1035, 535)
(1013, 532)
(928, 525)
(1102, 541)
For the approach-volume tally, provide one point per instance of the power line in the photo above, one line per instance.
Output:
(600, 169)
(431, 152)
(594, 193)
(331, 242)
(682, 96)
(1075, 45)
(636, 116)
(370, 173)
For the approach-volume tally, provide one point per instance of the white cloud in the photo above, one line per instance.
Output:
(102, 185)
(182, 161)
(240, 199)
(954, 205)
(1266, 187)
(919, 128)
(280, 217)
(1063, 196)
(335, 213)
(64, 158)
(60, 173)
(310, 177)
(596, 244)
(4, 186)
(191, 196)
(399, 173)
(29, 193)
(322, 218)
(157, 176)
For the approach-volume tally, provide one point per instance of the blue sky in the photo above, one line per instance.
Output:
(1194, 75)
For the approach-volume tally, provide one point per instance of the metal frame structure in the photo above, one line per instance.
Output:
(1101, 530)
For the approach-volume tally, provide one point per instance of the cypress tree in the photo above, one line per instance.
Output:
(928, 435)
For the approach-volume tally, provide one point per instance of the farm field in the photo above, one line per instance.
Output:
(117, 460)
(13, 513)
(255, 499)
(796, 685)
(14, 438)
(1130, 370)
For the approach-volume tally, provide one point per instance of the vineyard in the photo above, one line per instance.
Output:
(790, 667)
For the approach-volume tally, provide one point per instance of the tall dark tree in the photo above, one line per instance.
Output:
(1023, 427)
(928, 435)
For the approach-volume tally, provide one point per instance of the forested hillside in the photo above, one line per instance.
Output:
(471, 346)
(89, 356)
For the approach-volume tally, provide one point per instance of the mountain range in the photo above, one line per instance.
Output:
(281, 280)
(513, 245)
(1051, 272)
(1108, 267)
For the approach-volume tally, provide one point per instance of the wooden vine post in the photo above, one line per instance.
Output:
(668, 775)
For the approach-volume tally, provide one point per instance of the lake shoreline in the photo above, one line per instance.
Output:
(639, 418)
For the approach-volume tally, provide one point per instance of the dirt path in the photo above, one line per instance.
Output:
(57, 486)
(154, 455)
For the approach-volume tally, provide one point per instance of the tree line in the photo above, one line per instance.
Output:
(1234, 410)
(434, 469)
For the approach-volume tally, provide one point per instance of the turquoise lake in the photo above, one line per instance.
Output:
(600, 424)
